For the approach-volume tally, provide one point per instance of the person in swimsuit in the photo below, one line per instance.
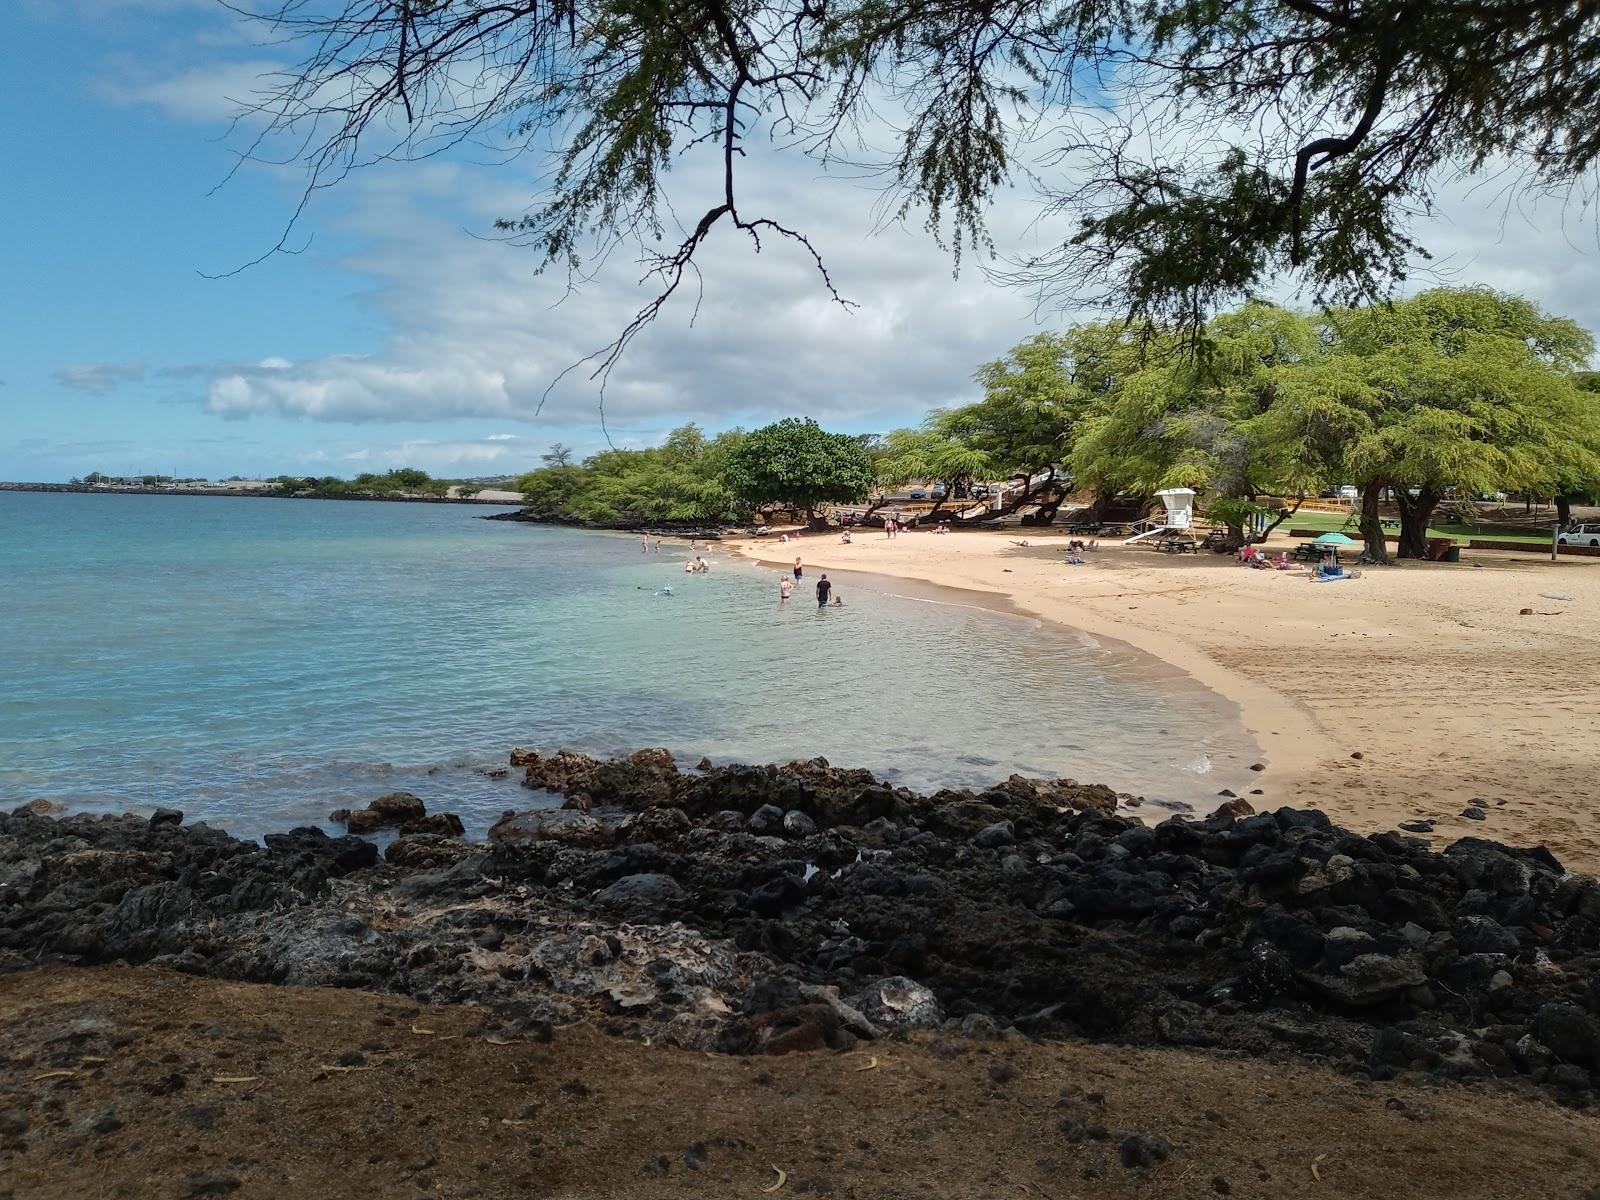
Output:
(823, 590)
(785, 589)
(797, 571)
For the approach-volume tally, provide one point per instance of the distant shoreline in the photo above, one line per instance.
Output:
(250, 493)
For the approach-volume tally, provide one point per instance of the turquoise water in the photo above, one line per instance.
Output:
(259, 662)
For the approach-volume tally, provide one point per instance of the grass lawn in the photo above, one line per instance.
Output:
(1325, 521)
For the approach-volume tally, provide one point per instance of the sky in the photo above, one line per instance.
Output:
(401, 334)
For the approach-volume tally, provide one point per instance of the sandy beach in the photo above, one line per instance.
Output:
(1408, 693)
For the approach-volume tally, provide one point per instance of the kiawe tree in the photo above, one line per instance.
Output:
(1460, 388)
(1191, 152)
(795, 463)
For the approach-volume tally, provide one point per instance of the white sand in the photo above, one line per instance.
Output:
(1427, 670)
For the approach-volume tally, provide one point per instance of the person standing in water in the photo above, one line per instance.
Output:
(797, 571)
(644, 543)
(823, 589)
(785, 589)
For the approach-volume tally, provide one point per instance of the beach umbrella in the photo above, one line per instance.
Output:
(1333, 539)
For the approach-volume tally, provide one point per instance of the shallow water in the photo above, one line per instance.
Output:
(259, 662)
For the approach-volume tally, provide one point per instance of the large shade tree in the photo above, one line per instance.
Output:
(1458, 388)
(1194, 151)
(795, 463)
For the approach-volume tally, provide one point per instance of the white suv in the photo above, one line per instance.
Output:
(1580, 535)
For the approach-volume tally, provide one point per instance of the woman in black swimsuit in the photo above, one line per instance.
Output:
(797, 569)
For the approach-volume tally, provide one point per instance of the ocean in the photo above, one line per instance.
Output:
(261, 662)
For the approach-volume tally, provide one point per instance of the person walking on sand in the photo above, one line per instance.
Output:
(797, 570)
(785, 589)
(823, 589)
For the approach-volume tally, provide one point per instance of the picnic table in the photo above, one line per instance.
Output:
(1314, 552)
(1178, 545)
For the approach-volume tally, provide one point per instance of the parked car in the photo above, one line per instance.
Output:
(917, 494)
(1580, 535)
(982, 490)
(937, 491)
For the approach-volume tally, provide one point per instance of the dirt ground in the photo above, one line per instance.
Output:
(133, 1082)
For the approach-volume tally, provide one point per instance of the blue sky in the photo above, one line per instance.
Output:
(396, 337)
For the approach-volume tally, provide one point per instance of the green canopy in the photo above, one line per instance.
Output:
(1334, 539)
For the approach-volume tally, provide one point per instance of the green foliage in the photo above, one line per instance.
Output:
(1199, 149)
(796, 464)
(680, 481)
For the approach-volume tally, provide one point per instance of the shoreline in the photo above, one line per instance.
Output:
(1258, 707)
(1419, 691)
(87, 489)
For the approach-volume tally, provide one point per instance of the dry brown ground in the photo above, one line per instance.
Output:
(139, 1083)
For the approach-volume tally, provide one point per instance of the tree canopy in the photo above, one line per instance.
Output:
(796, 464)
(679, 481)
(1187, 153)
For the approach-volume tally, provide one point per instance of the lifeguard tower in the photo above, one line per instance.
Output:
(1179, 503)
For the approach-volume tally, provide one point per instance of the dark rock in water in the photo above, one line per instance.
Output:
(436, 824)
(898, 1003)
(1001, 833)
(166, 816)
(560, 825)
(39, 808)
(1142, 1150)
(399, 807)
(396, 810)
(1572, 1034)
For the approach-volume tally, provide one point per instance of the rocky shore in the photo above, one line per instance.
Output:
(805, 907)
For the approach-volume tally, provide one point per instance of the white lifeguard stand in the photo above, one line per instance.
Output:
(1179, 503)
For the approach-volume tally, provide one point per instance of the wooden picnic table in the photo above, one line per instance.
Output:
(1178, 545)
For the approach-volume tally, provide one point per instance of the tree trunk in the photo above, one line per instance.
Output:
(1415, 513)
(1372, 523)
(1283, 515)
(1564, 511)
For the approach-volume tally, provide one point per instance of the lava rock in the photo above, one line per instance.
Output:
(1142, 1150)
(564, 826)
(991, 837)
(766, 821)
(1572, 1034)
(797, 825)
(647, 890)
(898, 1003)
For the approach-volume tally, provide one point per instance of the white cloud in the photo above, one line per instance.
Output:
(98, 378)
(437, 456)
(475, 333)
